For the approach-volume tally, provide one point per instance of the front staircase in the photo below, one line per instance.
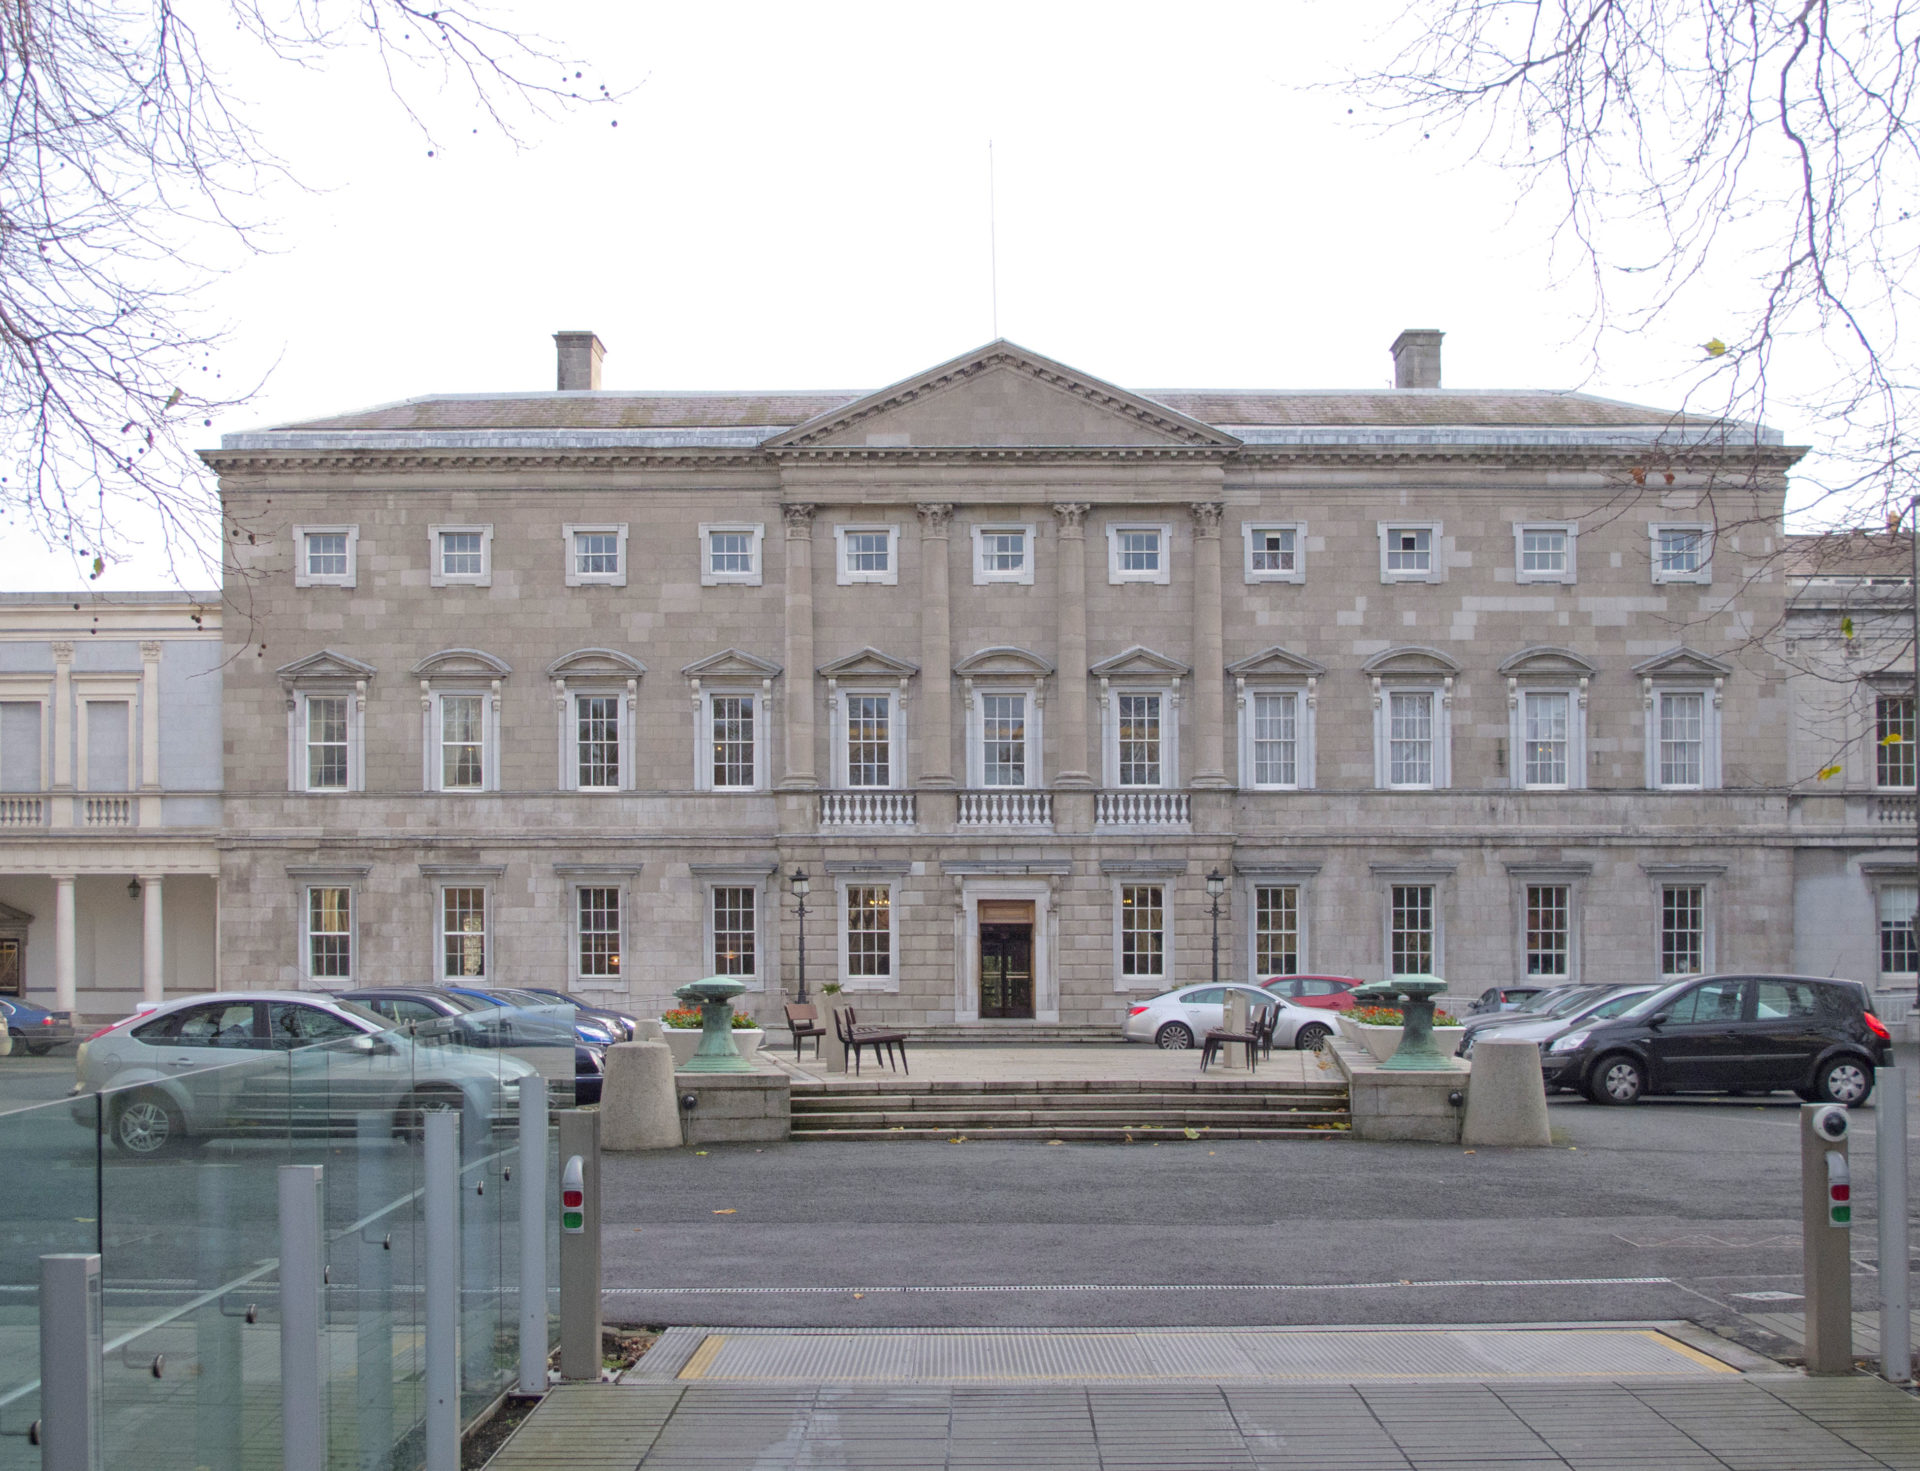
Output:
(1152, 1110)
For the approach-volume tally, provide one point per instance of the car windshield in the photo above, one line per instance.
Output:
(1572, 1001)
(366, 1014)
(1605, 1008)
(1662, 998)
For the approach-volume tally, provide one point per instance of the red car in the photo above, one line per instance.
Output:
(1330, 993)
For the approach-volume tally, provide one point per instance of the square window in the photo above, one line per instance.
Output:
(1549, 930)
(1893, 741)
(736, 931)
(463, 934)
(597, 742)
(1139, 554)
(1899, 946)
(461, 555)
(597, 933)
(869, 931)
(326, 743)
(868, 554)
(730, 554)
(325, 556)
(596, 555)
(1544, 551)
(1139, 551)
(1003, 554)
(1273, 550)
(329, 934)
(1143, 932)
(1276, 931)
(1406, 553)
(1682, 553)
(1683, 930)
(1411, 930)
(1274, 553)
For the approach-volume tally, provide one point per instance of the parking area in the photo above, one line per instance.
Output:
(26, 1080)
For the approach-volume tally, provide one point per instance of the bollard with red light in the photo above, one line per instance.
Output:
(1839, 1190)
(573, 1197)
(1826, 1238)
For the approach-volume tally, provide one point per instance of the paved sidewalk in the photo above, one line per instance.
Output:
(1034, 1062)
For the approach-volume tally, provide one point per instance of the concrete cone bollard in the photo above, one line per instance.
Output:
(638, 1109)
(1506, 1098)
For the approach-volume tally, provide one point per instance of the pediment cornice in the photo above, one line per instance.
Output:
(596, 663)
(1139, 660)
(455, 663)
(1410, 661)
(1002, 659)
(326, 664)
(1682, 663)
(869, 661)
(731, 664)
(1276, 662)
(1549, 659)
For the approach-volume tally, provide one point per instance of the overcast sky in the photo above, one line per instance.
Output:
(797, 197)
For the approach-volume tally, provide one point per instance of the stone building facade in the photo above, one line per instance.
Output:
(561, 688)
(109, 797)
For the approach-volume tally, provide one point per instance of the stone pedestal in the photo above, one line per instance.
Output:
(1235, 1020)
(1507, 1102)
(638, 1109)
(832, 1048)
(735, 1108)
(1399, 1104)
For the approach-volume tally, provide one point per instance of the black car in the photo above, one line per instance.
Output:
(1728, 1034)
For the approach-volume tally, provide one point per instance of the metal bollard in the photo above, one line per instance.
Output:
(441, 1208)
(70, 1339)
(534, 1205)
(580, 1250)
(1826, 1237)
(217, 1394)
(373, 1281)
(303, 1398)
(1890, 1141)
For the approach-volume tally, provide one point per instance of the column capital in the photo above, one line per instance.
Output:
(1073, 516)
(62, 651)
(934, 516)
(1206, 517)
(799, 517)
(150, 651)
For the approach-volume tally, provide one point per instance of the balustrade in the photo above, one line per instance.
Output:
(866, 809)
(1142, 809)
(23, 812)
(1006, 809)
(108, 812)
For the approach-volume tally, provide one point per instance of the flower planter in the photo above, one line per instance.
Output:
(1381, 1042)
(683, 1042)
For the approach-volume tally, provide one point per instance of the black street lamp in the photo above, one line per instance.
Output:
(798, 882)
(1216, 886)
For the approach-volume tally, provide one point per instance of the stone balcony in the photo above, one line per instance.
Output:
(1143, 810)
(867, 809)
(1005, 808)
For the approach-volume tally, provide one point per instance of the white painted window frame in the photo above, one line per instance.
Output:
(1306, 700)
(571, 694)
(576, 975)
(1160, 576)
(982, 575)
(977, 734)
(1709, 906)
(844, 574)
(303, 578)
(1703, 575)
(1436, 551)
(1442, 692)
(756, 880)
(761, 693)
(575, 577)
(1301, 881)
(438, 578)
(1250, 529)
(1169, 735)
(1167, 884)
(1568, 574)
(488, 891)
(351, 978)
(1388, 883)
(1574, 881)
(1518, 689)
(1712, 692)
(1878, 886)
(753, 577)
(433, 770)
(889, 983)
(297, 770)
(896, 734)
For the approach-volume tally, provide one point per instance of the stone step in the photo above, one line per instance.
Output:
(1013, 1033)
(1195, 1103)
(896, 1084)
(961, 1118)
(1095, 1134)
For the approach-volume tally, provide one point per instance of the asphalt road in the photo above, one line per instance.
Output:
(1663, 1210)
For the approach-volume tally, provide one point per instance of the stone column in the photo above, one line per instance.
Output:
(153, 985)
(1071, 720)
(64, 989)
(62, 723)
(936, 649)
(799, 771)
(1209, 658)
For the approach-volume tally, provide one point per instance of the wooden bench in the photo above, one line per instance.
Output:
(850, 1031)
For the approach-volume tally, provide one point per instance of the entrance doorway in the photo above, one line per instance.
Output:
(12, 981)
(1006, 959)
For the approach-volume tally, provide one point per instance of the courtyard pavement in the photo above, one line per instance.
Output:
(1066, 1062)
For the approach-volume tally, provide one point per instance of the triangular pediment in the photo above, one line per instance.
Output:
(731, 664)
(1002, 396)
(14, 919)
(1002, 659)
(1136, 662)
(324, 665)
(1546, 660)
(458, 663)
(1410, 661)
(596, 664)
(1276, 663)
(870, 661)
(1682, 663)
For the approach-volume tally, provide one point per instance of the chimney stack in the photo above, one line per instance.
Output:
(580, 354)
(1416, 358)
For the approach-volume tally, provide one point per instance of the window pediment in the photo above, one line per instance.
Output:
(1682, 663)
(14, 919)
(1003, 659)
(596, 664)
(325, 665)
(1140, 663)
(1547, 661)
(1275, 662)
(731, 664)
(869, 661)
(1410, 661)
(458, 663)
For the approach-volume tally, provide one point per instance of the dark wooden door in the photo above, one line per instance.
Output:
(1006, 970)
(12, 982)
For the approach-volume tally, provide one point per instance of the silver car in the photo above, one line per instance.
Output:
(1183, 1017)
(274, 1062)
(1601, 1005)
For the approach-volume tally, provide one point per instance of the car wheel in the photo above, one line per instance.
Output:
(146, 1126)
(39, 1049)
(1844, 1080)
(1174, 1037)
(1617, 1079)
(410, 1121)
(1311, 1037)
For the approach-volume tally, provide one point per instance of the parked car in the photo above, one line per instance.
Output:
(1589, 1004)
(429, 1013)
(538, 1007)
(1729, 1034)
(623, 1025)
(198, 1067)
(1501, 998)
(36, 1029)
(1323, 993)
(1183, 1017)
(1541, 1004)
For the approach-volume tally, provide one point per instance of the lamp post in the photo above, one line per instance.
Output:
(801, 887)
(1216, 886)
